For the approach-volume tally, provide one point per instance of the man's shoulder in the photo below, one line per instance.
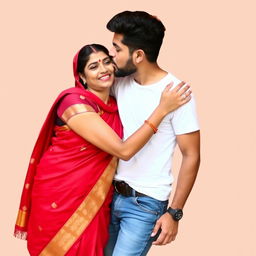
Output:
(122, 82)
(173, 78)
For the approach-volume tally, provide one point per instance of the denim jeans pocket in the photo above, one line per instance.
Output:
(148, 204)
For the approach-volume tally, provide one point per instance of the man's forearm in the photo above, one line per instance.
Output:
(186, 179)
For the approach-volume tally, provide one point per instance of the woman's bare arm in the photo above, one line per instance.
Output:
(94, 129)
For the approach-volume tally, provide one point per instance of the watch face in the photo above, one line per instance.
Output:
(175, 213)
(178, 215)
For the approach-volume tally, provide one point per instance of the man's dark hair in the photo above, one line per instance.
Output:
(140, 30)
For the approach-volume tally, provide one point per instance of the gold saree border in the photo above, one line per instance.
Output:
(74, 110)
(22, 218)
(63, 128)
(81, 218)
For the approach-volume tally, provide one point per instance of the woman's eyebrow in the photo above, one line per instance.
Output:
(95, 62)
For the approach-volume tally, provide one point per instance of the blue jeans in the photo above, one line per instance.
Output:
(131, 225)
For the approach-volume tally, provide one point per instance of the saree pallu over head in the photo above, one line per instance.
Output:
(67, 190)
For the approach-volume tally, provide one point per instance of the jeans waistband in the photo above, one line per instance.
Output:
(124, 189)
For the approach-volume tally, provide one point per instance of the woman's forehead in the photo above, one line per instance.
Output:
(94, 57)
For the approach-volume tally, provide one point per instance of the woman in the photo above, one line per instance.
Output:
(64, 207)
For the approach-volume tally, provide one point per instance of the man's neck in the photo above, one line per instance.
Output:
(149, 73)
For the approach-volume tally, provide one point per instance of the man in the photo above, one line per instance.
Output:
(141, 214)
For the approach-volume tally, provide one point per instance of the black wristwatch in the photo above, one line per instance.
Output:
(175, 213)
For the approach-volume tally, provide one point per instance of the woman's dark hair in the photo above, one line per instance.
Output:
(140, 30)
(84, 55)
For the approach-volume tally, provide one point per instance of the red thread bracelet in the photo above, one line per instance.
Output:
(151, 125)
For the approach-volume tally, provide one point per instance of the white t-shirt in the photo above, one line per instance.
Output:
(149, 170)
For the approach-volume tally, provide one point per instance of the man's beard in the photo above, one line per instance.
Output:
(127, 70)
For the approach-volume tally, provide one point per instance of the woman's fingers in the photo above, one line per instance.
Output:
(184, 89)
(185, 99)
(184, 92)
(179, 95)
(179, 86)
(168, 87)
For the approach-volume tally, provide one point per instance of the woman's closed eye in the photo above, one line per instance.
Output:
(92, 67)
(107, 61)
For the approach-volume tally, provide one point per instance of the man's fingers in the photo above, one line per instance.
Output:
(161, 238)
(169, 239)
(156, 228)
(164, 239)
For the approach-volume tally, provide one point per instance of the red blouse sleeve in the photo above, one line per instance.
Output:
(73, 104)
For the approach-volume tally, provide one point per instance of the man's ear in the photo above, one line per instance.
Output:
(138, 56)
(82, 76)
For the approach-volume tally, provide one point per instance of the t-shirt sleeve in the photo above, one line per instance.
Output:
(73, 104)
(184, 119)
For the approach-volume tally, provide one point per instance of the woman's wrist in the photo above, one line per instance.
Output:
(151, 125)
(161, 111)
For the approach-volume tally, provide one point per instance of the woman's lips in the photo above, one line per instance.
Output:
(105, 77)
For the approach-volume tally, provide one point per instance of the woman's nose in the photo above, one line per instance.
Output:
(102, 67)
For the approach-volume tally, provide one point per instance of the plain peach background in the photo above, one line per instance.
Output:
(210, 44)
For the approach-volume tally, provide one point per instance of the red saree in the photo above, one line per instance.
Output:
(64, 207)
